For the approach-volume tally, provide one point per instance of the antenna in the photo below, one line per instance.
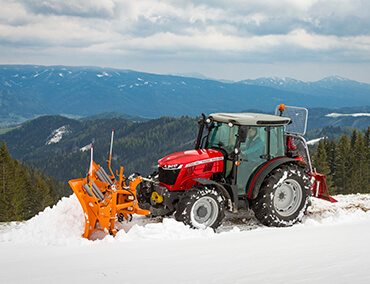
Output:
(111, 143)
(110, 153)
(91, 161)
(91, 171)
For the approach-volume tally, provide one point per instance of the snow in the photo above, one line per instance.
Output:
(347, 114)
(330, 246)
(102, 75)
(314, 141)
(85, 148)
(57, 135)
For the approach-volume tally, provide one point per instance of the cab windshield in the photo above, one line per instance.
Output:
(222, 136)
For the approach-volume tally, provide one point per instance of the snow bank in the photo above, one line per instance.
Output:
(63, 224)
(349, 208)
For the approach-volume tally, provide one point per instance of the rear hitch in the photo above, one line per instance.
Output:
(319, 188)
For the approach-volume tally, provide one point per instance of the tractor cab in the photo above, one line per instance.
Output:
(247, 140)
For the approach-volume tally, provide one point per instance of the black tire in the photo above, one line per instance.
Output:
(201, 207)
(284, 197)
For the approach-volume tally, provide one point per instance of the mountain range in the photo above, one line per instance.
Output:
(28, 91)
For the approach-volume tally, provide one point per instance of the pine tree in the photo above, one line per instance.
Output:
(41, 193)
(320, 163)
(6, 175)
(330, 148)
(353, 138)
(332, 155)
(21, 195)
(367, 139)
(358, 169)
(342, 165)
(367, 155)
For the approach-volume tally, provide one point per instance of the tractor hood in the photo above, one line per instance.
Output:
(191, 158)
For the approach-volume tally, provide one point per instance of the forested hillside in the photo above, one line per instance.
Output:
(358, 117)
(137, 145)
(330, 132)
(346, 162)
(24, 191)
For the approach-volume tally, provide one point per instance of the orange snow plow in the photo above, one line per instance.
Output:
(104, 198)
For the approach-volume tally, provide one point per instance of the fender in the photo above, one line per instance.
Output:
(255, 181)
(220, 187)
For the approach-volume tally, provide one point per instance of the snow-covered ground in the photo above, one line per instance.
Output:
(347, 114)
(331, 245)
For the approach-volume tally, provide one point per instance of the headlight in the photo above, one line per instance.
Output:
(172, 167)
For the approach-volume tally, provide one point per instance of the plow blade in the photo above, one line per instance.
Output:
(319, 188)
(103, 198)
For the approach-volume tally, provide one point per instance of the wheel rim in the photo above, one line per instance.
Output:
(287, 198)
(204, 212)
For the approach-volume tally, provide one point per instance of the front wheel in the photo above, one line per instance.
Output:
(201, 207)
(284, 197)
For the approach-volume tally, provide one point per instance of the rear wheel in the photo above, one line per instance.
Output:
(201, 207)
(284, 197)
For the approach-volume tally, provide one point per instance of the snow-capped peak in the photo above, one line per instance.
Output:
(273, 81)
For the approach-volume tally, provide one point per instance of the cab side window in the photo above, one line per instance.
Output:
(277, 148)
(255, 144)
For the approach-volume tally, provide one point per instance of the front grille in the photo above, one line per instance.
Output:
(168, 176)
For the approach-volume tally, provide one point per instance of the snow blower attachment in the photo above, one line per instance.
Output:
(104, 197)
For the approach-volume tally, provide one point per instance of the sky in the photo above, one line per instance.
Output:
(221, 39)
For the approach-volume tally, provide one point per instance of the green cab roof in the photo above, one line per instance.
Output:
(251, 119)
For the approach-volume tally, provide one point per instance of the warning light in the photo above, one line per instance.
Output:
(281, 109)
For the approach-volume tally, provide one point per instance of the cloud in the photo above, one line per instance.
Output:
(186, 30)
(79, 8)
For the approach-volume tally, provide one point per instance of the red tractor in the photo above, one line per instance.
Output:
(241, 161)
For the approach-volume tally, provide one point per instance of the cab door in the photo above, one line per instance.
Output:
(252, 154)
